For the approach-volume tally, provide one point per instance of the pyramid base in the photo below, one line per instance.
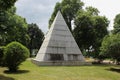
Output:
(60, 63)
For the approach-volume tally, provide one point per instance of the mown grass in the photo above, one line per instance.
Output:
(29, 71)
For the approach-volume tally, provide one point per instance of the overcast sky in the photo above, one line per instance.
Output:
(39, 11)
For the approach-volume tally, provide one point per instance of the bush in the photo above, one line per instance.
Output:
(111, 47)
(1, 55)
(15, 54)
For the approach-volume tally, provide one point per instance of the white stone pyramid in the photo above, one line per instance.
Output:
(59, 44)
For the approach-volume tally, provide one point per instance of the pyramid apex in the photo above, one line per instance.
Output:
(59, 13)
(59, 19)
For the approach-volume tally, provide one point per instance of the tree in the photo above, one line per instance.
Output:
(6, 4)
(111, 47)
(100, 31)
(69, 9)
(83, 30)
(15, 54)
(116, 24)
(90, 30)
(36, 36)
(13, 28)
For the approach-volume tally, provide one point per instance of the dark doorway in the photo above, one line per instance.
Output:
(55, 57)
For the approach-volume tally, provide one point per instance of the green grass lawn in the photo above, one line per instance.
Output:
(29, 71)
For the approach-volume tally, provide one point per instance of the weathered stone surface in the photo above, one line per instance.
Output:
(59, 44)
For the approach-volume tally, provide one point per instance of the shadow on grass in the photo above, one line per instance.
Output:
(5, 78)
(114, 70)
(105, 65)
(18, 72)
(91, 65)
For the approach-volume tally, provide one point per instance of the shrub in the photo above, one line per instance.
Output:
(111, 47)
(15, 54)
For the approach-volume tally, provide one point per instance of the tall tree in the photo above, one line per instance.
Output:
(13, 28)
(36, 36)
(90, 30)
(116, 24)
(100, 31)
(69, 9)
(83, 30)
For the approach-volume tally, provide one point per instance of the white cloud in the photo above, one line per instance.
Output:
(39, 11)
(36, 11)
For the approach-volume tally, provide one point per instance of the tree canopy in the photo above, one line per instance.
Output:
(36, 36)
(116, 24)
(111, 43)
(90, 30)
(13, 28)
(68, 8)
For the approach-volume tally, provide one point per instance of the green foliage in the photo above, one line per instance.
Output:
(6, 4)
(90, 30)
(117, 24)
(100, 31)
(13, 28)
(15, 54)
(82, 32)
(68, 8)
(111, 47)
(36, 36)
(92, 11)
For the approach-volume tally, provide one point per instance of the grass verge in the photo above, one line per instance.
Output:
(29, 71)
